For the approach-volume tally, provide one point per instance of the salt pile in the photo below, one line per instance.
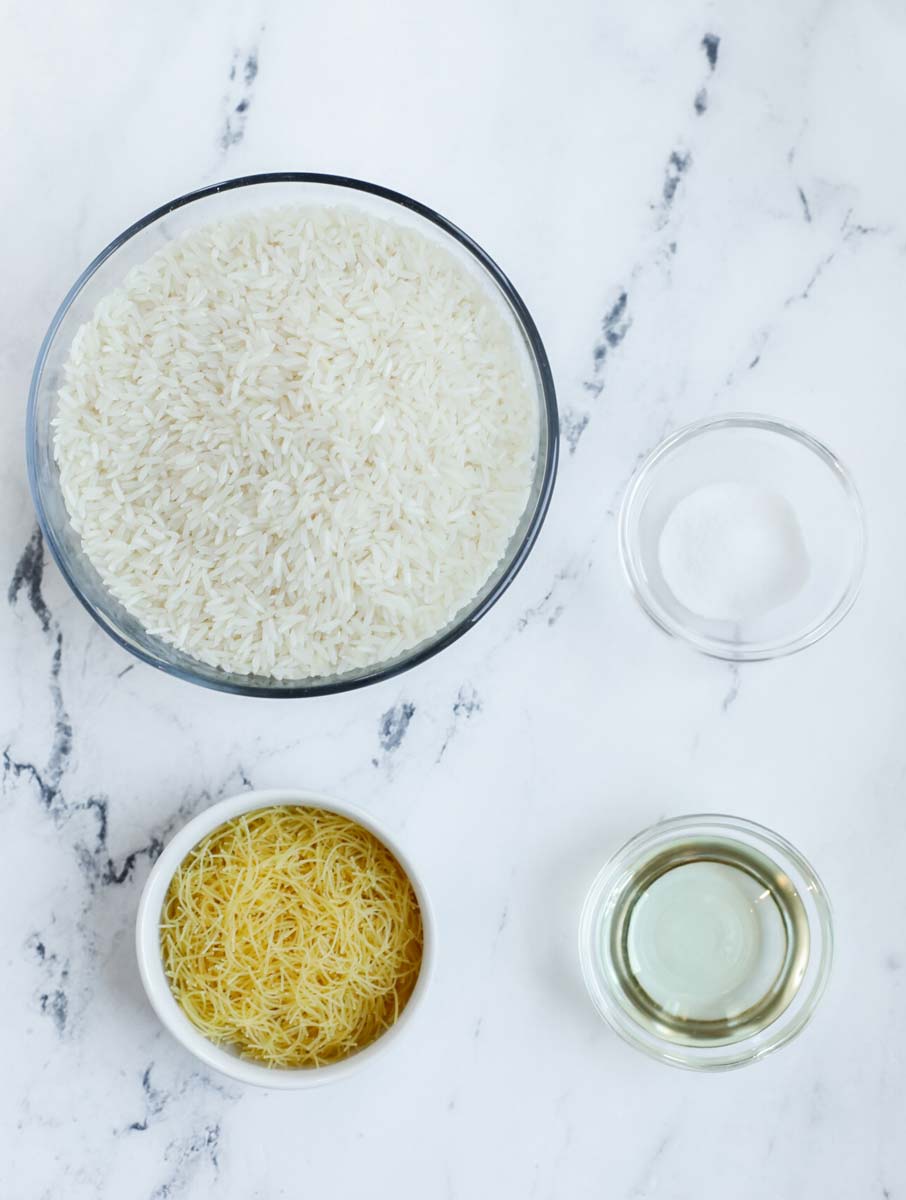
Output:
(733, 552)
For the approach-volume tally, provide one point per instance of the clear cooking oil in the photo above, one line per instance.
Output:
(709, 941)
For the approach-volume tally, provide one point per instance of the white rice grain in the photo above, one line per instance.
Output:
(296, 443)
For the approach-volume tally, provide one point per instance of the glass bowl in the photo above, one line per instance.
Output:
(748, 449)
(605, 933)
(135, 246)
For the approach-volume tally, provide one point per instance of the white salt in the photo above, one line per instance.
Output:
(733, 552)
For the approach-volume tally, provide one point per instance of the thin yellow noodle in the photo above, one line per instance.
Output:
(293, 935)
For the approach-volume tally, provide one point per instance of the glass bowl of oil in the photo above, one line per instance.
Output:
(706, 941)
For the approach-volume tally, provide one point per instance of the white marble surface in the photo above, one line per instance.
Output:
(759, 245)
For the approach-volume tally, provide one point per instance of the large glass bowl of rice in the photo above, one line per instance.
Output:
(291, 434)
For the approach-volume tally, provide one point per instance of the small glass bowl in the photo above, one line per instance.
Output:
(602, 919)
(136, 245)
(749, 449)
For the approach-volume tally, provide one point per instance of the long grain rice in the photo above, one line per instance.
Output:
(296, 443)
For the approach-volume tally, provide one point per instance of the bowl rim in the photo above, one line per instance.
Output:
(742, 652)
(550, 416)
(154, 979)
(788, 1025)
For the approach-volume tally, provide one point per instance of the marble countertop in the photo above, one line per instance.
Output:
(703, 206)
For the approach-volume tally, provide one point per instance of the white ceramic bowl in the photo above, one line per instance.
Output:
(151, 968)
